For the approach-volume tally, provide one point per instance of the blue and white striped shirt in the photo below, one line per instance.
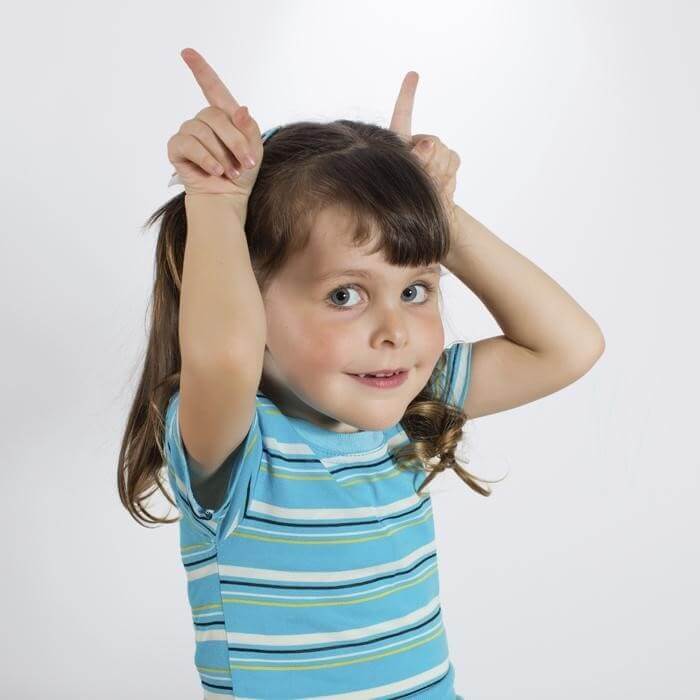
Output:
(317, 575)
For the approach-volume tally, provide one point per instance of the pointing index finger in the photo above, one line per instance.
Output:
(403, 109)
(214, 90)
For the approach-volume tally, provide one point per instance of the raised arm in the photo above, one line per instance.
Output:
(222, 326)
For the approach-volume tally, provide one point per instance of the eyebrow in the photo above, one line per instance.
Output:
(357, 272)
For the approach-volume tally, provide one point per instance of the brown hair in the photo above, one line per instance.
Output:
(370, 172)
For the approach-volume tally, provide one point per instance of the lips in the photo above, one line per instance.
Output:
(390, 382)
(386, 372)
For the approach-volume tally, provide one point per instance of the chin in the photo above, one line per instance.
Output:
(379, 424)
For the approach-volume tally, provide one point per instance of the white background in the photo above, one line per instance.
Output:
(577, 128)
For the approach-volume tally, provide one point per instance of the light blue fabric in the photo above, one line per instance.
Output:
(317, 575)
(266, 134)
(342, 443)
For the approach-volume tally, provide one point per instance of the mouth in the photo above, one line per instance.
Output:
(395, 379)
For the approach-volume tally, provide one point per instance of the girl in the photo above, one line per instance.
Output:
(290, 278)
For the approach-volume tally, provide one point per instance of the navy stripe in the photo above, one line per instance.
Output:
(252, 593)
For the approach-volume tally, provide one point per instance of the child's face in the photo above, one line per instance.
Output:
(315, 342)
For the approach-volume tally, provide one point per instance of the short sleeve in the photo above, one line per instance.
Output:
(452, 384)
(246, 459)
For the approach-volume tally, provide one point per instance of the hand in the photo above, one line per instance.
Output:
(209, 151)
(440, 162)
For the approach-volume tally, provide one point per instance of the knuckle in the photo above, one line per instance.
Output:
(194, 147)
(204, 113)
(219, 122)
(177, 144)
(200, 129)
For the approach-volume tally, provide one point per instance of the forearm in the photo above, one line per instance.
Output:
(221, 309)
(528, 305)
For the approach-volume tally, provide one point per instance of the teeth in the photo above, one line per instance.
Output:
(390, 374)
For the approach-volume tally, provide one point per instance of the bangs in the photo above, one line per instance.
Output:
(364, 171)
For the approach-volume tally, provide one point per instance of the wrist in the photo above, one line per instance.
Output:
(459, 226)
(224, 204)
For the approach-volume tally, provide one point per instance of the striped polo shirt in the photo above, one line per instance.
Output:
(317, 576)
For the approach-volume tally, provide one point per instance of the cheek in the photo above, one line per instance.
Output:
(325, 348)
(306, 344)
(433, 338)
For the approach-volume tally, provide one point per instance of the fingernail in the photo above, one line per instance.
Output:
(232, 173)
(426, 145)
(249, 162)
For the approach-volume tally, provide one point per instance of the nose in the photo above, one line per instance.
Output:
(390, 327)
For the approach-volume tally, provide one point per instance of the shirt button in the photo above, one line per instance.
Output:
(208, 514)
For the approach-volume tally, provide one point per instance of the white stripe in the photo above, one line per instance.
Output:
(367, 591)
(230, 570)
(209, 569)
(201, 616)
(397, 687)
(288, 448)
(302, 448)
(397, 439)
(321, 469)
(373, 472)
(180, 484)
(334, 513)
(198, 553)
(235, 522)
(461, 374)
(309, 469)
(380, 451)
(278, 640)
(210, 635)
(418, 515)
(351, 655)
(389, 688)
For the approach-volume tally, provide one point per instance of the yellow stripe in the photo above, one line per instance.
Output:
(337, 540)
(334, 664)
(277, 473)
(334, 601)
(206, 606)
(213, 669)
(292, 477)
(197, 545)
(361, 479)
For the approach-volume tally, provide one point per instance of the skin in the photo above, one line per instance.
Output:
(379, 323)
(310, 346)
(538, 354)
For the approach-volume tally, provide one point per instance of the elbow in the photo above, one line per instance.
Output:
(598, 343)
(591, 344)
(579, 358)
(589, 353)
